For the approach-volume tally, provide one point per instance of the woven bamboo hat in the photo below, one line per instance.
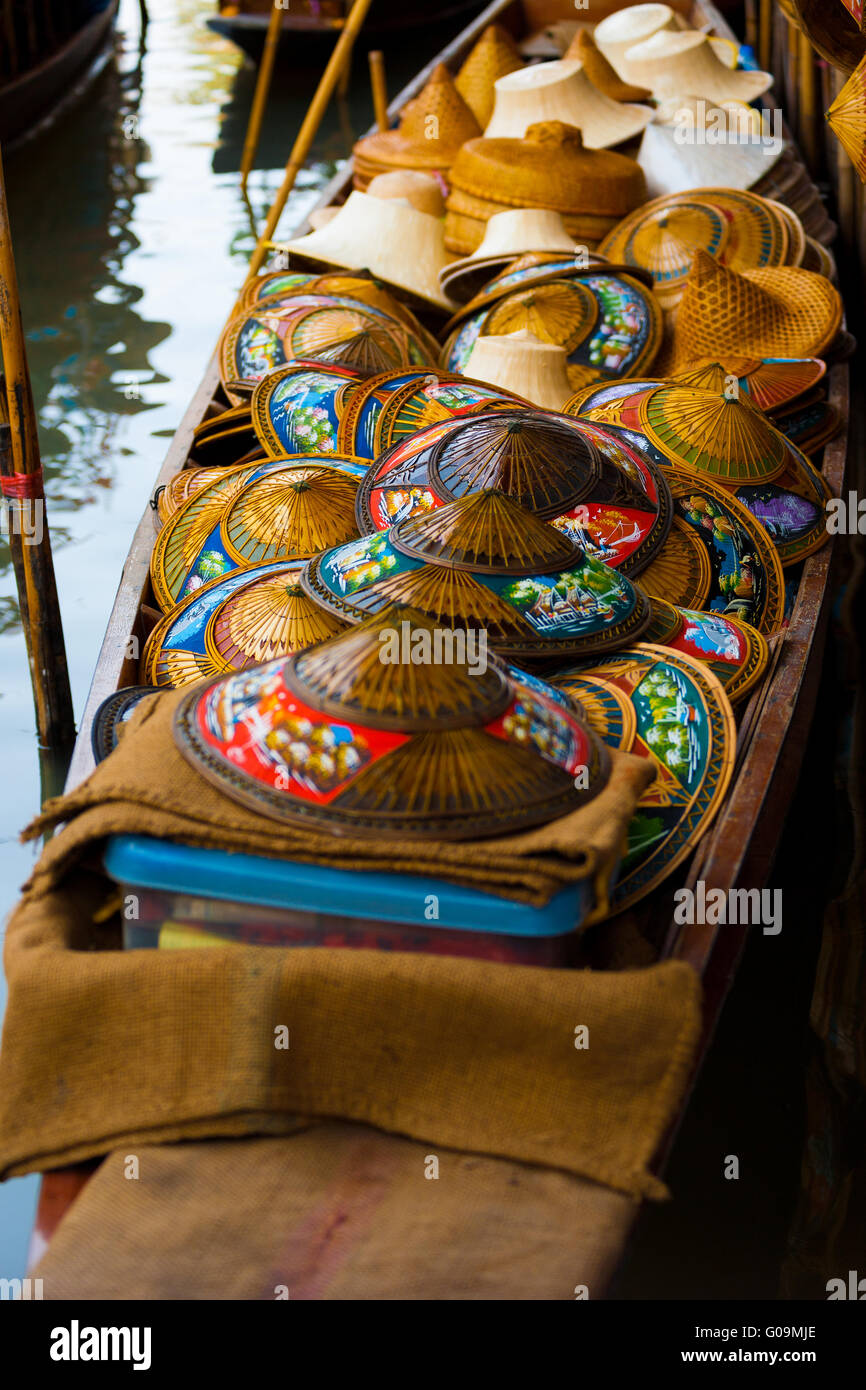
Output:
(403, 247)
(715, 433)
(672, 65)
(549, 168)
(422, 190)
(771, 384)
(522, 363)
(694, 143)
(359, 735)
(831, 29)
(507, 236)
(778, 311)
(619, 32)
(431, 131)
(584, 49)
(562, 91)
(485, 561)
(664, 240)
(494, 56)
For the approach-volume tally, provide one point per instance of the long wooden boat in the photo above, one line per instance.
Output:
(246, 23)
(54, 78)
(740, 849)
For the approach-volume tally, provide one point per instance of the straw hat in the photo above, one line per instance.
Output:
(403, 247)
(687, 63)
(494, 55)
(522, 363)
(777, 311)
(507, 235)
(623, 30)
(562, 91)
(847, 120)
(584, 49)
(705, 145)
(320, 217)
(831, 30)
(467, 218)
(431, 131)
(422, 190)
(549, 168)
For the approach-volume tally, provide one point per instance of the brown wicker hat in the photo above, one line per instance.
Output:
(430, 133)
(778, 311)
(600, 72)
(494, 56)
(831, 30)
(549, 168)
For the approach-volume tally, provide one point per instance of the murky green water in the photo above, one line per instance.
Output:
(131, 238)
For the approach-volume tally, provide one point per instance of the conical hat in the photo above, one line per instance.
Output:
(847, 119)
(710, 432)
(561, 91)
(431, 130)
(674, 164)
(619, 32)
(831, 31)
(663, 240)
(486, 532)
(675, 64)
(549, 168)
(494, 55)
(507, 236)
(403, 247)
(522, 363)
(771, 385)
(342, 737)
(584, 49)
(778, 311)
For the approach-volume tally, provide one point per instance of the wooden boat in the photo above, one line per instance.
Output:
(739, 850)
(42, 80)
(246, 23)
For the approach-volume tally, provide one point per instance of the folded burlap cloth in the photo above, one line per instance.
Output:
(104, 1049)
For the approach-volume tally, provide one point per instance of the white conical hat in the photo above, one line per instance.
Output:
(386, 236)
(678, 157)
(561, 91)
(622, 30)
(523, 364)
(671, 64)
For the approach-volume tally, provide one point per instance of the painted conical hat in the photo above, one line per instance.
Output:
(561, 91)
(340, 736)
(291, 512)
(847, 119)
(771, 384)
(675, 64)
(777, 311)
(715, 433)
(664, 240)
(736, 653)
(486, 531)
(584, 49)
(431, 131)
(233, 623)
(494, 56)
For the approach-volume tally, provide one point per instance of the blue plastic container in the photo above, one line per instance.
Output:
(175, 895)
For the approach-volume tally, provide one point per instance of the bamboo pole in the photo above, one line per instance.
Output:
(765, 34)
(751, 35)
(376, 60)
(307, 133)
(263, 87)
(22, 487)
(808, 103)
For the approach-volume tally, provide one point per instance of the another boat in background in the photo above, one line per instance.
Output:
(246, 23)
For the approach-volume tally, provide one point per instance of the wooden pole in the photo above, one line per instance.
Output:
(808, 104)
(380, 90)
(765, 34)
(308, 131)
(751, 35)
(263, 87)
(21, 486)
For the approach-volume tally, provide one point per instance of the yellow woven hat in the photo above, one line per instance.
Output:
(847, 119)
(777, 311)
(520, 362)
(430, 133)
(562, 91)
(494, 55)
(672, 65)
(387, 236)
(621, 31)
(584, 49)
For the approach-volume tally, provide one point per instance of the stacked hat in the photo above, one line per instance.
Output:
(696, 143)
(494, 56)
(423, 191)
(562, 91)
(403, 247)
(687, 64)
(549, 168)
(777, 311)
(601, 73)
(621, 31)
(520, 362)
(431, 131)
(507, 236)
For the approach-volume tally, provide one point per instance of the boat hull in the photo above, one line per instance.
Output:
(248, 31)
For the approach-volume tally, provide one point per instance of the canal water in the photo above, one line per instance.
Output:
(131, 237)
